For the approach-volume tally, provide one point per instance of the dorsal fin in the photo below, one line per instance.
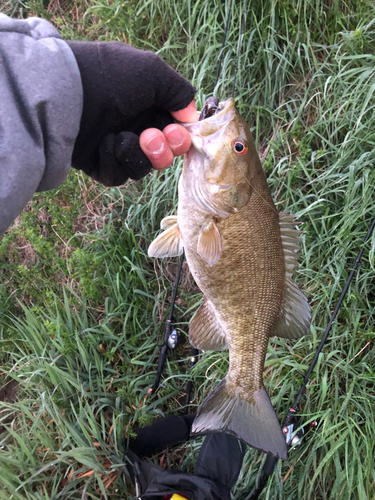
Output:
(167, 244)
(290, 238)
(205, 332)
(295, 316)
(209, 244)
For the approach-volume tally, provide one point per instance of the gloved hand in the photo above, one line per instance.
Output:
(127, 91)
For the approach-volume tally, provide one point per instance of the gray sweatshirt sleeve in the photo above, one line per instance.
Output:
(40, 110)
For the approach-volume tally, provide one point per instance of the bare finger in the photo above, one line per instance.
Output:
(178, 139)
(155, 146)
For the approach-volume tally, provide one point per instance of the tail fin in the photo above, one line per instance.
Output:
(253, 420)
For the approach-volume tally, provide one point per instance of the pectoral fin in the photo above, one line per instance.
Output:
(295, 316)
(205, 332)
(167, 244)
(209, 244)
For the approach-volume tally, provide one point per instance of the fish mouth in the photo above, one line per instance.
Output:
(209, 108)
(212, 123)
(222, 108)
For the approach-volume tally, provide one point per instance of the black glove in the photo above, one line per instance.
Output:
(125, 91)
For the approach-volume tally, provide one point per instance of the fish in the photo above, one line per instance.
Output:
(242, 254)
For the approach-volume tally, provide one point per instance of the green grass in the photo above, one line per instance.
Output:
(86, 324)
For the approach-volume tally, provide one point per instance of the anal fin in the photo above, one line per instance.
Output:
(205, 332)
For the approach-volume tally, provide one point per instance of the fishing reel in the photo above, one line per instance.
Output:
(294, 433)
(173, 339)
(293, 437)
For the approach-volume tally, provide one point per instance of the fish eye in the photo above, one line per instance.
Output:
(240, 146)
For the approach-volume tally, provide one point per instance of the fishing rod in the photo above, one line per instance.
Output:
(289, 424)
(171, 338)
(171, 334)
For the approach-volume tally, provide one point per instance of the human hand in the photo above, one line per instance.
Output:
(161, 147)
(130, 100)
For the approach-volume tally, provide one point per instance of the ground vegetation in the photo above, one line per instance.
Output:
(82, 307)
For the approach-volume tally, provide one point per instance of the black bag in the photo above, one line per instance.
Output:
(216, 470)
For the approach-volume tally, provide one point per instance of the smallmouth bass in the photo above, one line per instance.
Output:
(242, 255)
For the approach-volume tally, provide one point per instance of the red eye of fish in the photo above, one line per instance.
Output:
(240, 146)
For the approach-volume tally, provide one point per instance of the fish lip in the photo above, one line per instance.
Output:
(224, 107)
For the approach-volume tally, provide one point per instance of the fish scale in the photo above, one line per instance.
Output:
(247, 312)
(242, 254)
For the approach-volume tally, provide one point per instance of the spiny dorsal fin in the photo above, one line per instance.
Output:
(205, 332)
(290, 240)
(168, 221)
(209, 244)
(167, 244)
(294, 319)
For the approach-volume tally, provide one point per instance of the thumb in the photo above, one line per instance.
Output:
(187, 115)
